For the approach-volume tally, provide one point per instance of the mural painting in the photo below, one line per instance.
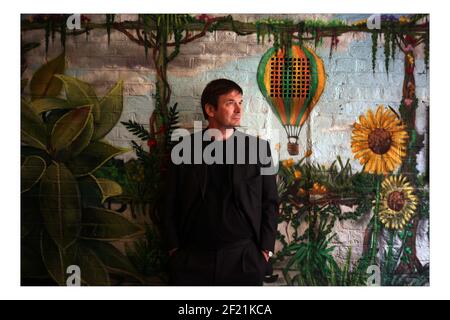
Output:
(349, 102)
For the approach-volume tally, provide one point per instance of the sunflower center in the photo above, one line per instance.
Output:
(380, 141)
(396, 200)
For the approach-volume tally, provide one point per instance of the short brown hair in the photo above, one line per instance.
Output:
(216, 88)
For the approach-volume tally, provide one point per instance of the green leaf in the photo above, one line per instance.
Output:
(104, 224)
(95, 191)
(109, 188)
(60, 204)
(32, 128)
(29, 213)
(112, 258)
(93, 271)
(83, 140)
(31, 264)
(32, 171)
(43, 83)
(91, 195)
(47, 104)
(53, 258)
(93, 157)
(68, 128)
(80, 93)
(111, 107)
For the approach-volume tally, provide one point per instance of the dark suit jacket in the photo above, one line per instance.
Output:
(255, 194)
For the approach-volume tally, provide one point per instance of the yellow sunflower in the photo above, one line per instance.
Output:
(397, 202)
(379, 141)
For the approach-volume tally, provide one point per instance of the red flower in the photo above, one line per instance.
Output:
(204, 18)
(408, 102)
(410, 40)
(162, 129)
(151, 142)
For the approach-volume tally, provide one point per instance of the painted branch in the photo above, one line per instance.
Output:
(224, 24)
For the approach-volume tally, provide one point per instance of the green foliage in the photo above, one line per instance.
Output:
(62, 200)
(172, 120)
(148, 255)
(278, 29)
(43, 82)
(145, 174)
(374, 49)
(312, 257)
(136, 129)
(167, 25)
(309, 254)
(109, 21)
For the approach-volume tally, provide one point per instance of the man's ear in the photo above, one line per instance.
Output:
(210, 110)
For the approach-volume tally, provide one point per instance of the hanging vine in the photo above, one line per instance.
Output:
(374, 50)
(280, 31)
(109, 22)
(387, 49)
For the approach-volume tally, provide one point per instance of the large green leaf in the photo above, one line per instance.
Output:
(68, 128)
(60, 204)
(31, 172)
(32, 128)
(111, 107)
(44, 84)
(112, 258)
(109, 188)
(80, 93)
(104, 224)
(27, 151)
(31, 264)
(51, 117)
(95, 191)
(83, 140)
(29, 213)
(93, 271)
(93, 157)
(47, 104)
(91, 195)
(53, 258)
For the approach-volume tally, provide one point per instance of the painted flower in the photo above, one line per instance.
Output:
(301, 192)
(404, 19)
(397, 202)
(288, 163)
(277, 147)
(152, 142)
(297, 174)
(379, 141)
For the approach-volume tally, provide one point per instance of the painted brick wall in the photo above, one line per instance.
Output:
(351, 89)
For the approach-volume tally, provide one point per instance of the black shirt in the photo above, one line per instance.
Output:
(218, 220)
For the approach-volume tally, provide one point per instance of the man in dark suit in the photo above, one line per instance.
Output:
(222, 200)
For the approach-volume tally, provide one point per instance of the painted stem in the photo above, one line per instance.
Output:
(390, 251)
(376, 225)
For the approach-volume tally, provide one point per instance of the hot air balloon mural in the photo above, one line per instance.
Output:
(292, 80)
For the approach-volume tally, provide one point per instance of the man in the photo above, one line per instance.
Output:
(220, 217)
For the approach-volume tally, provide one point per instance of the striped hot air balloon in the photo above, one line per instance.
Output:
(292, 80)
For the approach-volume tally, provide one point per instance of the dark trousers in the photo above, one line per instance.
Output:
(239, 264)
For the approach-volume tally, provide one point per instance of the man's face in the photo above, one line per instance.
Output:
(229, 110)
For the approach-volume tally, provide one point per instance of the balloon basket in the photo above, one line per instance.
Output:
(293, 148)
